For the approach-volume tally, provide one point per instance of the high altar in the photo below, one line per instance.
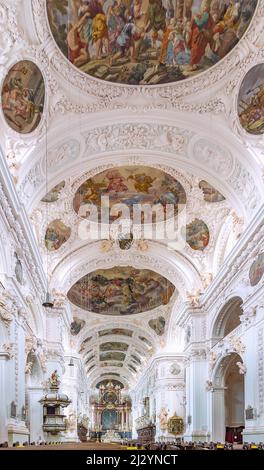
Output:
(111, 412)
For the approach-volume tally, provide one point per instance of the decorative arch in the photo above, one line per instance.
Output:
(228, 318)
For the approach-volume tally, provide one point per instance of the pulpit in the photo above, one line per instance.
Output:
(146, 434)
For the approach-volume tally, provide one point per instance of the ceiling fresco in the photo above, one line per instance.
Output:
(89, 359)
(56, 235)
(116, 331)
(131, 367)
(53, 194)
(210, 194)
(158, 325)
(76, 326)
(129, 185)
(112, 346)
(197, 235)
(23, 97)
(112, 356)
(110, 373)
(257, 270)
(111, 364)
(145, 340)
(251, 101)
(147, 42)
(121, 290)
(136, 359)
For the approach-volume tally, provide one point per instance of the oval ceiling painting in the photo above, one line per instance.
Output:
(121, 290)
(197, 235)
(257, 270)
(57, 233)
(130, 185)
(147, 42)
(251, 101)
(23, 96)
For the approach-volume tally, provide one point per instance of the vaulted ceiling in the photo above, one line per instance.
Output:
(137, 135)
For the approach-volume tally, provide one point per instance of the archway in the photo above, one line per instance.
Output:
(228, 405)
(228, 319)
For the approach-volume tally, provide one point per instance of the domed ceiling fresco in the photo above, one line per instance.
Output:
(147, 42)
(129, 185)
(23, 96)
(251, 101)
(121, 291)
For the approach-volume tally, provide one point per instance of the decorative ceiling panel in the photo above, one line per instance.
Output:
(147, 42)
(121, 291)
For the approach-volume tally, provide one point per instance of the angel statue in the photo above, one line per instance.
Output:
(54, 379)
(163, 419)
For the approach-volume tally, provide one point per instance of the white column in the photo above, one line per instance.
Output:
(3, 400)
(35, 413)
(196, 375)
(218, 414)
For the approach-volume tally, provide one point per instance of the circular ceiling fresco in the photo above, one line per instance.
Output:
(131, 186)
(147, 42)
(251, 101)
(23, 96)
(121, 291)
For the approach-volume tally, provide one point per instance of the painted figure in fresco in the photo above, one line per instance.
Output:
(116, 182)
(157, 19)
(227, 28)
(142, 182)
(201, 34)
(78, 50)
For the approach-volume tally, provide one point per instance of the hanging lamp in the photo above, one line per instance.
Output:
(48, 302)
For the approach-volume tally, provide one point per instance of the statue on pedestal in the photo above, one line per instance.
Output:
(54, 380)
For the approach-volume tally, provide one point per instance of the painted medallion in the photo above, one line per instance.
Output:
(257, 270)
(56, 235)
(23, 97)
(197, 235)
(251, 101)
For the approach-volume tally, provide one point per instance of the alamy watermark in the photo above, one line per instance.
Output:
(160, 222)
